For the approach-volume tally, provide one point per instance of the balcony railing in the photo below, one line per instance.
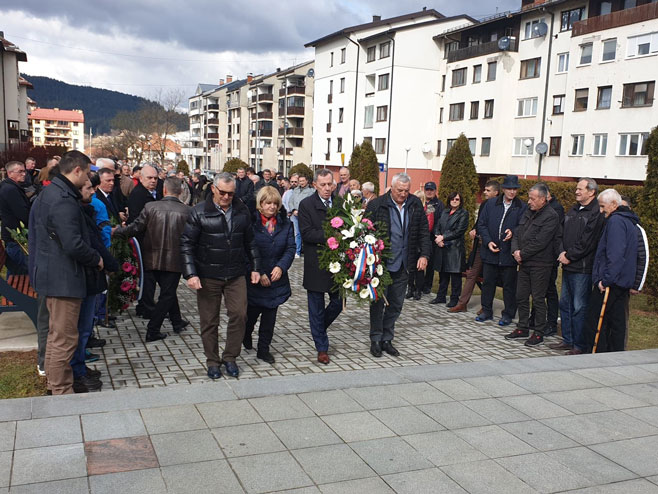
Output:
(286, 151)
(615, 19)
(212, 121)
(265, 132)
(293, 110)
(295, 131)
(478, 50)
(292, 90)
(214, 106)
(265, 115)
(266, 97)
(213, 135)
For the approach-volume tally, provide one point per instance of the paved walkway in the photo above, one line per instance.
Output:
(585, 424)
(426, 334)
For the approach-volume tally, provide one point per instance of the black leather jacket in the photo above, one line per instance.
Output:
(209, 251)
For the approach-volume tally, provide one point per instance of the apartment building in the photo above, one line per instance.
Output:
(380, 82)
(13, 96)
(203, 112)
(561, 88)
(55, 127)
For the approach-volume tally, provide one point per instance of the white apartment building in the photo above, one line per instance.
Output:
(575, 75)
(55, 127)
(203, 112)
(14, 107)
(380, 82)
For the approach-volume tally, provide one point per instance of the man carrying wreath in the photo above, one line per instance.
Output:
(408, 235)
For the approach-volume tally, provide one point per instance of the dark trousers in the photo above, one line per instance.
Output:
(146, 302)
(101, 307)
(43, 325)
(532, 282)
(321, 317)
(383, 317)
(266, 327)
(454, 279)
(614, 328)
(576, 290)
(552, 302)
(416, 280)
(167, 302)
(85, 328)
(490, 273)
(472, 275)
(16, 254)
(429, 278)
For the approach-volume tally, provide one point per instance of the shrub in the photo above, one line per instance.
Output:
(233, 164)
(183, 167)
(647, 207)
(364, 166)
(302, 169)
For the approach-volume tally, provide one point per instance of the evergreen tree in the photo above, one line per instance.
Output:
(301, 169)
(364, 166)
(183, 167)
(233, 164)
(648, 209)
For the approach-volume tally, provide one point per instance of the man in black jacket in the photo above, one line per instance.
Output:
(409, 237)
(533, 247)
(317, 282)
(215, 245)
(243, 185)
(106, 195)
(582, 229)
(14, 210)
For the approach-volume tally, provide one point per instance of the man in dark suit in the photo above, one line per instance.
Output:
(104, 193)
(317, 282)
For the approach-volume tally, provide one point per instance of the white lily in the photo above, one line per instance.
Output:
(370, 239)
(353, 244)
(380, 270)
(348, 233)
(370, 260)
(364, 293)
(348, 284)
(374, 282)
(334, 267)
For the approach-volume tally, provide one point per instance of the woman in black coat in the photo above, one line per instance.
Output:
(450, 254)
(275, 238)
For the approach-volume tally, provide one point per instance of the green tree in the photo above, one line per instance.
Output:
(648, 210)
(364, 166)
(233, 164)
(183, 167)
(458, 175)
(302, 169)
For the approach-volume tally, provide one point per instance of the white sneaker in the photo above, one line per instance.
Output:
(41, 372)
(297, 256)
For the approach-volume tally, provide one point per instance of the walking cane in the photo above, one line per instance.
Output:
(598, 328)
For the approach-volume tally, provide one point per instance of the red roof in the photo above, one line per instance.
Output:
(57, 114)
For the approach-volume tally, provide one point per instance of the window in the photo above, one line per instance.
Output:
(380, 145)
(368, 118)
(485, 147)
(342, 55)
(562, 63)
(459, 77)
(330, 113)
(604, 97)
(633, 144)
(331, 62)
(491, 71)
(580, 103)
(577, 144)
(571, 16)
(488, 108)
(558, 104)
(520, 149)
(382, 113)
(555, 147)
(452, 46)
(629, 4)
(645, 44)
(586, 54)
(342, 84)
(368, 139)
(600, 144)
(382, 82)
(441, 115)
(609, 50)
(371, 54)
(456, 112)
(443, 82)
(340, 115)
(471, 146)
(385, 50)
(638, 94)
(328, 145)
(530, 68)
(339, 145)
(477, 73)
(438, 148)
(475, 109)
(527, 107)
(528, 33)
(449, 144)
(606, 8)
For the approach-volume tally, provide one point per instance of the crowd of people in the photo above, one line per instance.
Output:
(235, 237)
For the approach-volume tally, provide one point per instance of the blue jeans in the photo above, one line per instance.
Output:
(576, 288)
(101, 301)
(298, 234)
(85, 327)
(321, 317)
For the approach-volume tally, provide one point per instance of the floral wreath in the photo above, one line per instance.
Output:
(123, 287)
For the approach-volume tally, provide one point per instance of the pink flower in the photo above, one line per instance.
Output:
(337, 222)
(368, 223)
(125, 306)
(127, 267)
(332, 242)
(134, 270)
(125, 286)
(380, 245)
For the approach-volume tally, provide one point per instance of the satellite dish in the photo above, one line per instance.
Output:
(504, 43)
(541, 148)
(427, 148)
(540, 29)
(310, 73)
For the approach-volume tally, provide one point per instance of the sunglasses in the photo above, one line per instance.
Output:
(224, 192)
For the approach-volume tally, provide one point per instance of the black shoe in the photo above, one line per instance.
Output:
(266, 356)
(550, 331)
(214, 372)
(150, 337)
(94, 342)
(388, 347)
(438, 300)
(248, 342)
(410, 294)
(88, 382)
(376, 349)
(535, 339)
(451, 304)
(109, 325)
(517, 333)
(91, 357)
(180, 327)
(93, 373)
(427, 291)
(418, 295)
(232, 369)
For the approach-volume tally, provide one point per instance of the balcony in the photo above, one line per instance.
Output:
(212, 121)
(265, 115)
(256, 150)
(265, 132)
(329, 127)
(286, 151)
(293, 131)
(330, 98)
(266, 97)
(214, 106)
(620, 18)
(293, 110)
(478, 50)
(57, 126)
(213, 135)
(292, 90)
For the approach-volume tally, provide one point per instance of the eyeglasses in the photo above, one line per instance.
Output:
(224, 192)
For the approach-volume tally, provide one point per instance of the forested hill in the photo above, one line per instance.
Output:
(99, 105)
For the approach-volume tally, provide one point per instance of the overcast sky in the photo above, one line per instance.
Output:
(139, 46)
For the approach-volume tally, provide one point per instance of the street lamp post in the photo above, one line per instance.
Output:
(406, 160)
(528, 144)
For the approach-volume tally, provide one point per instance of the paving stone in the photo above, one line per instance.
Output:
(7, 435)
(636, 373)
(535, 406)
(638, 455)
(494, 441)
(575, 402)
(69, 486)
(647, 414)
(281, 407)
(303, 433)
(539, 436)
(137, 482)
(613, 398)
(374, 398)
(48, 463)
(496, 386)
(227, 413)
(5, 468)
(269, 472)
(605, 376)
(17, 409)
(547, 382)
(185, 447)
(207, 477)
(172, 419)
(644, 392)
(120, 455)
(638, 486)
(486, 477)
(371, 485)
(444, 448)
(407, 420)
(390, 455)
(431, 480)
(333, 463)
(459, 389)
(112, 425)
(330, 402)
(495, 411)
(591, 465)
(357, 426)
(241, 440)
(453, 415)
(48, 432)
(416, 393)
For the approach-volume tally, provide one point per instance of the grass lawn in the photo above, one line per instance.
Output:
(18, 375)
